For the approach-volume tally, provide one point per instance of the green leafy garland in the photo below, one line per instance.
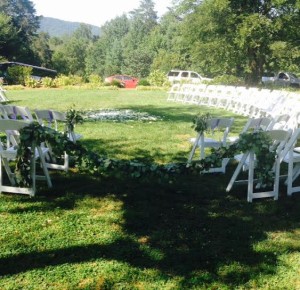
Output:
(73, 117)
(88, 161)
(200, 122)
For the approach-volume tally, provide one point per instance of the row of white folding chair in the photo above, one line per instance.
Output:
(16, 113)
(181, 92)
(197, 94)
(290, 105)
(173, 92)
(49, 118)
(253, 124)
(244, 100)
(252, 102)
(273, 105)
(185, 93)
(223, 125)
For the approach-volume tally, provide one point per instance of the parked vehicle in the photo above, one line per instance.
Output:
(125, 80)
(177, 76)
(281, 79)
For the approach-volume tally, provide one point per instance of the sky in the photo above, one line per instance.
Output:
(93, 12)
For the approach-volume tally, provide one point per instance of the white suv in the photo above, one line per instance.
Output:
(186, 76)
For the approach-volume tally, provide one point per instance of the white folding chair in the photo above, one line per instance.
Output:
(3, 97)
(9, 154)
(215, 124)
(253, 124)
(291, 156)
(51, 119)
(173, 91)
(18, 112)
(198, 93)
(248, 161)
(46, 118)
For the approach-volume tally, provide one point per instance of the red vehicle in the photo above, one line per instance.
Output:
(126, 81)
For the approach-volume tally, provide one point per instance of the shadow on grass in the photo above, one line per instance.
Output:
(190, 227)
(115, 147)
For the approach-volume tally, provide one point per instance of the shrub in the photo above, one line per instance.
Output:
(31, 82)
(157, 78)
(48, 82)
(63, 80)
(115, 83)
(18, 74)
(76, 80)
(144, 82)
(71, 80)
(95, 79)
(228, 80)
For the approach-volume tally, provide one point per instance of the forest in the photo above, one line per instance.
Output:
(236, 38)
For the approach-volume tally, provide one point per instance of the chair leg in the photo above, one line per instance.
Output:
(236, 172)
(44, 167)
(193, 150)
(66, 161)
(33, 173)
(250, 177)
(8, 171)
(290, 175)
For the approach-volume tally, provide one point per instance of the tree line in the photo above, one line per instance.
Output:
(213, 37)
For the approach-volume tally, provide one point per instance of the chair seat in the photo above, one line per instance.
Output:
(208, 142)
(297, 149)
(295, 157)
(232, 139)
(9, 153)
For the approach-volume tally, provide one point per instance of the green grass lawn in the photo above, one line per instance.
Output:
(125, 233)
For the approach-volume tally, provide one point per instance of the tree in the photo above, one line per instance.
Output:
(70, 54)
(105, 56)
(138, 56)
(237, 36)
(7, 34)
(42, 49)
(146, 13)
(168, 44)
(25, 23)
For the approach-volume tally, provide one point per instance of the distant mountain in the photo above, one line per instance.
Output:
(57, 27)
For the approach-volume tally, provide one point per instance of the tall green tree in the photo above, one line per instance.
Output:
(166, 40)
(41, 46)
(138, 56)
(237, 37)
(105, 56)
(70, 55)
(25, 22)
(7, 34)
